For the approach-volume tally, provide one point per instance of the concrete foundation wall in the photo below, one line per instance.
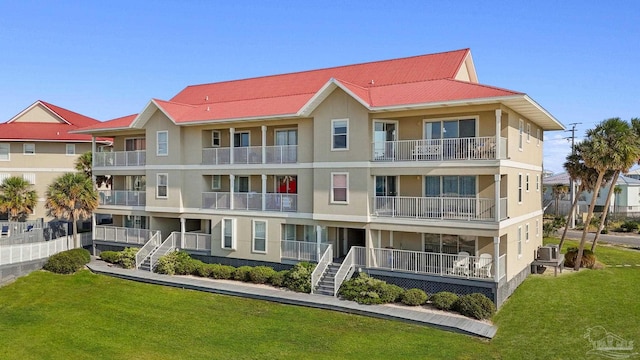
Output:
(506, 288)
(9, 273)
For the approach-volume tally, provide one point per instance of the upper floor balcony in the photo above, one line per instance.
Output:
(250, 201)
(275, 154)
(122, 198)
(439, 208)
(449, 149)
(120, 158)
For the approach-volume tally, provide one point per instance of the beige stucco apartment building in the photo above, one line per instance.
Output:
(36, 145)
(408, 169)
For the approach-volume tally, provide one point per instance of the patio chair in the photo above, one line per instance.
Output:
(482, 266)
(29, 228)
(461, 264)
(5, 231)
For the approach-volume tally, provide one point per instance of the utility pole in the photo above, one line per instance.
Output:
(572, 186)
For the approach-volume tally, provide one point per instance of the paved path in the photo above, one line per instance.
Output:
(629, 240)
(442, 321)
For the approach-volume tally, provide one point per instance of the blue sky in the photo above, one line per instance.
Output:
(578, 59)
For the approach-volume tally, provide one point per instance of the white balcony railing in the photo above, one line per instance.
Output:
(450, 265)
(302, 250)
(278, 154)
(146, 250)
(123, 235)
(194, 241)
(122, 197)
(474, 148)
(120, 158)
(451, 208)
(323, 263)
(250, 201)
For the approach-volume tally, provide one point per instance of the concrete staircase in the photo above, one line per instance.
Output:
(326, 283)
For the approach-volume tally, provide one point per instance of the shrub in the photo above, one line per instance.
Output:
(277, 278)
(299, 277)
(475, 305)
(176, 263)
(224, 272)
(203, 270)
(629, 226)
(67, 262)
(414, 297)
(444, 300)
(367, 290)
(166, 264)
(242, 273)
(128, 258)
(588, 258)
(550, 226)
(261, 274)
(112, 257)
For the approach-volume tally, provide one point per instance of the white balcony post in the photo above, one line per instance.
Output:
(496, 257)
(93, 232)
(183, 227)
(264, 146)
(232, 132)
(231, 191)
(318, 241)
(496, 197)
(498, 131)
(264, 188)
(93, 161)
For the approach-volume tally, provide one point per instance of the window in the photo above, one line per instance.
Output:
(135, 183)
(537, 182)
(288, 232)
(450, 186)
(135, 144)
(537, 228)
(520, 133)
(4, 152)
(519, 241)
(162, 145)
(229, 234)
(340, 134)
(538, 136)
(136, 221)
(339, 187)
(259, 236)
(528, 132)
(287, 137)
(71, 149)
(29, 149)
(526, 183)
(519, 188)
(449, 129)
(241, 139)
(241, 184)
(162, 186)
(30, 178)
(215, 138)
(215, 182)
(526, 232)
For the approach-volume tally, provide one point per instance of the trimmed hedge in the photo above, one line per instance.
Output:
(242, 273)
(475, 305)
(67, 262)
(261, 274)
(414, 297)
(224, 272)
(367, 290)
(128, 257)
(444, 300)
(112, 257)
(277, 278)
(299, 277)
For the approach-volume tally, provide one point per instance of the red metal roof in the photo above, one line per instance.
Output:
(48, 131)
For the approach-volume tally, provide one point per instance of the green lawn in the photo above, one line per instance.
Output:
(48, 316)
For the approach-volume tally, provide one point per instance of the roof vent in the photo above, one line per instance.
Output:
(206, 98)
(208, 109)
(371, 82)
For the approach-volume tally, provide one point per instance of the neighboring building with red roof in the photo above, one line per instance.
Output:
(409, 169)
(37, 144)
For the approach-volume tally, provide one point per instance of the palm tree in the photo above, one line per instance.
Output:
(17, 198)
(84, 165)
(611, 145)
(559, 190)
(71, 197)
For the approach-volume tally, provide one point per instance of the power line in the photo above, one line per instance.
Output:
(571, 184)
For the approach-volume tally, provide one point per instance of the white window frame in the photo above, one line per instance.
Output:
(24, 149)
(526, 182)
(135, 141)
(233, 233)
(520, 192)
(519, 242)
(29, 177)
(6, 146)
(213, 138)
(215, 186)
(236, 184)
(538, 182)
(253, 237)
(528, 132)
(158, 176)
(158, 149)
(520, 134)
(333, 200)
(538, 136)
(333, 135)
(526, 232)
(73, 149)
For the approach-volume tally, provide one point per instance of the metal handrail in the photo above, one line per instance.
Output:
(144, 251)
(166, 247)
(323, 263)
(344, 270)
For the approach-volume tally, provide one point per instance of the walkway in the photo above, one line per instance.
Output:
(442, 321)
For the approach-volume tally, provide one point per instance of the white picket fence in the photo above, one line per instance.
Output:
(12, 254)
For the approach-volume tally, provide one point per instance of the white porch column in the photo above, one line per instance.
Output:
(498, 131)
(496, 190)
(183, 227)
(496, 258)
(264, 190)
(232, 132)
(379, 239)
(232, 179)
(318, 241)
(93, 233)
(93, 161)
(264, 145)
